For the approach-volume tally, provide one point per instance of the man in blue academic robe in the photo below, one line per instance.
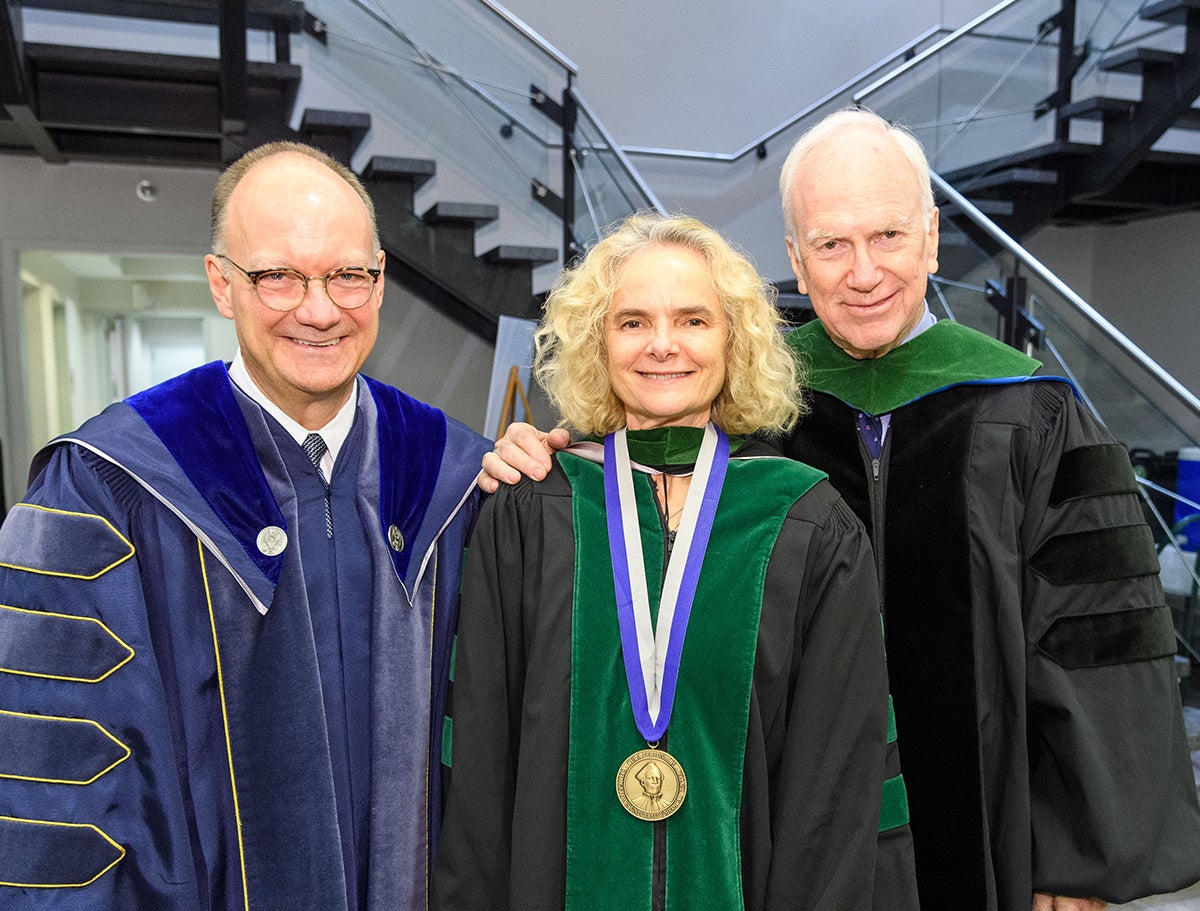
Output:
(226, 603)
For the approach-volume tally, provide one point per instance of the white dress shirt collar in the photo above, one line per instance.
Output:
(334, 433)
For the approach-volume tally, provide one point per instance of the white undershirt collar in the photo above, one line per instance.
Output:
(334, 433)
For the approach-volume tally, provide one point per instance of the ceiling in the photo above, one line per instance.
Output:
(120, 283)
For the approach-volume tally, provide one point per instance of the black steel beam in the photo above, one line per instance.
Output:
(18, 99)
(14, 84)
(268, 15)
(35, 133)
(1156, 187)
(234, 81)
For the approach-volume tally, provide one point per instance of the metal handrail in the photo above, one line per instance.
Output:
(613, 147)
(1113, 334)
(532, 37)
(934, 49)
(786, 125)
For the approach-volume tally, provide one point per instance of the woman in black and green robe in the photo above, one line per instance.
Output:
(723, 742)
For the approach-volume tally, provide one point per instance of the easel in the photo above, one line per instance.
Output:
(508, 409)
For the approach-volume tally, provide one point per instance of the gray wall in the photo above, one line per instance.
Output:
(1144, 277)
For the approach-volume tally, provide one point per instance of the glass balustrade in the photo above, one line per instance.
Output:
(607, 187)
(449, 82)
(974, 98)
(461, 77)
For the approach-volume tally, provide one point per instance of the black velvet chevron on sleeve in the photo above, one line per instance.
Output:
(1098, 555)
(1093, 471)
(1119, 637)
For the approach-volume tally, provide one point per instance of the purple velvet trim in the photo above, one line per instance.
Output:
(197, 418)
(412, 442)
(624, 596)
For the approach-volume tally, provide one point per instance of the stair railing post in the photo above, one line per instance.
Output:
(1003, 300)
(1016, 292)
(1016, 326)
(1068, 63)
(570, 114)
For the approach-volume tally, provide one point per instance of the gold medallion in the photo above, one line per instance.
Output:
(651, 784)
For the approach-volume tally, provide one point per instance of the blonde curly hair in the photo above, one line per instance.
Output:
(763, 380)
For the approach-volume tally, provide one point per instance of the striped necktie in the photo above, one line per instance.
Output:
(314, 447)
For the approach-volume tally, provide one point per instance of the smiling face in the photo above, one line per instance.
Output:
(862, 251)
(665, 335)
(292, 212)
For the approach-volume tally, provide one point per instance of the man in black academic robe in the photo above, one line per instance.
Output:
(1030, 649)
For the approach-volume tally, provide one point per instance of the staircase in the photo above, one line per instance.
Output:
(66, 103)
(1105, 162)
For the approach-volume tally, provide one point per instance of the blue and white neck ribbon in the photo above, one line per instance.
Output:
(652, 655)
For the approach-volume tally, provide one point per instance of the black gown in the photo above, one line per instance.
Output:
(1029, 643)
(801, 830)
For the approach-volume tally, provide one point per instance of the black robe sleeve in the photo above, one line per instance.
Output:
(1113, 804)
(474, 858)
(823, 735)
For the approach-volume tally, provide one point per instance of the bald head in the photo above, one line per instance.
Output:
(841, 130)
(267, 155)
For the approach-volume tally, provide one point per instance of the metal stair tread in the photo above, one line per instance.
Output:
(990, 207)
(1008, 177)
(1189, 120)
(260, 14)
(474, 213)
(1176, 12)
(516, 253)
(321, 120)
(1099, 107)
(182, 68)
(388, 167)
(1136, 60)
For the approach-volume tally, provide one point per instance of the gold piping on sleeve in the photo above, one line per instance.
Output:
(95, 724)
(84, 515)
(237, 813)
(70, 825)
(101, 624)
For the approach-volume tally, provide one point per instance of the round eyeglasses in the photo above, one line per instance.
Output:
(284, 289)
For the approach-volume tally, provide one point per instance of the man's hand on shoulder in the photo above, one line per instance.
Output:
(1044, 902)
(523, 450)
